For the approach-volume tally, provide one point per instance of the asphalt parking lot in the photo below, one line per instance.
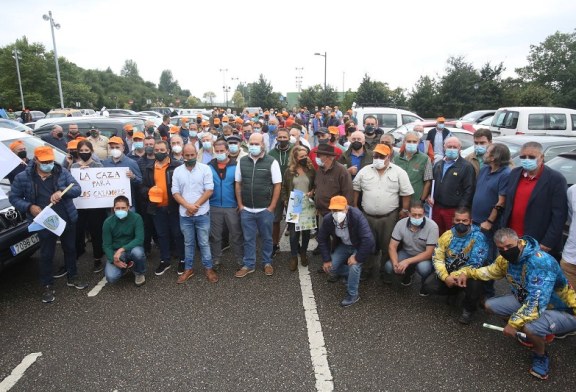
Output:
(251, 334)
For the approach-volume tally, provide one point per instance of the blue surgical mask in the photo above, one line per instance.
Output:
(121, 214)
(221, 157)
(416, 221)
(254, 150)
(46, 167)
(224, 124)
(193, 133)
(272, 128)
(411, 147)
(440, 126)
(257, 130)
(319, 162)
(529, 164)
(233, 148)
(480, 150)
(207, 145)
(451, 153)
(138, 145)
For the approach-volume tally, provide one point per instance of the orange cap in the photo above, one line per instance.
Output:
(174, 129)
(239, 120)
(184, 120)
(128, 127)
(199, 115)
(333, 130)
(44, 153)
(16, 144)
(116, 139)
(138, 135)
(80, 138)
(225, 118)
(156, 194)
(72, 145)
(204, 123)
(382, 149)
(216, 120)
(338, 203)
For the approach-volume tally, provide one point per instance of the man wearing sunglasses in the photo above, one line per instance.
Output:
(536, 201)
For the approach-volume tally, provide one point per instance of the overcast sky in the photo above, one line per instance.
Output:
(394, 42)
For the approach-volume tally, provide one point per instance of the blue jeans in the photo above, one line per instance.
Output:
(252, 224)
(167, 226)
(340, 267)
(423, 268)
(196, 228)
(136, 255)
(48, 248)
(550, 321)
(295, 246)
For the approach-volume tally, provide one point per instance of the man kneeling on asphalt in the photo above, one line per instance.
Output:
(542, 303)
(123, 243)
(463, 245)
(354, 243)
(417, 237)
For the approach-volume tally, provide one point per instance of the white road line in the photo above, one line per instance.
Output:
(318, 352)
(18, 372)
(97, 288)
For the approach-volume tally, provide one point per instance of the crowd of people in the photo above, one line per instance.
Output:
(458, 222)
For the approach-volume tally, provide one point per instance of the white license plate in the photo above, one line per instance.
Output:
(24, 244)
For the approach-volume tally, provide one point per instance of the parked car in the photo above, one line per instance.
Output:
(16, 243)
(163, 110)
(565, 163)
(58, 113)
(484, 124)
(89, 112)
(108, 126)
(36, 114)
(534, 121)
(122, 112)
(463, 131)
(14, 125)
(388, 118)
(177, 120)
(150, 113)
(477, 116)
(552, 145)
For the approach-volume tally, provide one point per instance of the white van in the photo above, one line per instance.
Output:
(388, 118)
(534, 121)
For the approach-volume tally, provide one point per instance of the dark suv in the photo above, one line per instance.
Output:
(108, 126)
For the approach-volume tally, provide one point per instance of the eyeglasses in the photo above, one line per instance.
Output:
(528, 157)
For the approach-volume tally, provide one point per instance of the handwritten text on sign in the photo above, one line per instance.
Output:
(100, 185)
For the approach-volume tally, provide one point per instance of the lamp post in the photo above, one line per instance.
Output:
(325, 66)
(17, 57)
(224, 87)
(57, 25)
(299, 78)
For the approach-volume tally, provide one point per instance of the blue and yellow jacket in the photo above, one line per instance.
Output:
(536, 281)
(454, 252)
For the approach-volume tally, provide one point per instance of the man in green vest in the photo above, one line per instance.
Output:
(417, 165)
(258, 182)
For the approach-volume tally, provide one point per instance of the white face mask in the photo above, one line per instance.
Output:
(339, 216)
(177, 149)
(116, 153)
(293, 140)
(379, 163)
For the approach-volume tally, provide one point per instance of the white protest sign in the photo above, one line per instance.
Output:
(100, 185)
(8, 161)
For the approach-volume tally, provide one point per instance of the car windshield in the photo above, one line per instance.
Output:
(566, 166)
(55, 115)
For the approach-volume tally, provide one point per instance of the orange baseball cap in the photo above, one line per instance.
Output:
(216, 120)
(14, 145)
(338, 203)
(382, 149)
(239, 120)
(128, 127)
(139, 135)
(204, 123)
(44, 153)
(156, 194)
(333, 130)
(199, 115)
(72, 145)
(225, 118)
(116, 139)
(174, 129)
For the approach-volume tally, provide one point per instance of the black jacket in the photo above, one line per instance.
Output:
(148, 182)
(456, 187)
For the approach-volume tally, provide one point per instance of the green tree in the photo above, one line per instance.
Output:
(457, 91)
(209, 97)
(262, 94)
(398, 98)
(517, 92)
(552, 65)
(310, 97)
(424, 97)
(348, 100)
(490, 93)
(238, 100)
(167, 83)
(372, 93)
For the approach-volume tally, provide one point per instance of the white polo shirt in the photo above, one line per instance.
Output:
(191, 185)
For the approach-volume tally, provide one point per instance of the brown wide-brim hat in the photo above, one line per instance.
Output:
(326, 149)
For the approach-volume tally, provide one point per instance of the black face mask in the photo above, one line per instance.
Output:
(149, 150)
(150, 130)
(350, 130)
(511, 254)
(21, 154)
(85, 156)
(323, 141)
(283, 144)
(369, 129)
(160, 156)
(130, 133)
(59, 135)
(461, 228)
(303, 162)
(356, 145)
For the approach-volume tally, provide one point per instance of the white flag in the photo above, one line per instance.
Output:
(50, 220)
(8, 161)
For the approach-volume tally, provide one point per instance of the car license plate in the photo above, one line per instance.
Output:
(24, 244)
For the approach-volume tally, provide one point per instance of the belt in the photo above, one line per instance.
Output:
(381, 216)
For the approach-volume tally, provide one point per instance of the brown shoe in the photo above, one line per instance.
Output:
(268, 270)
(242, 272)
(211, 275)
(185, 276)
(293, 263)
(303, 259)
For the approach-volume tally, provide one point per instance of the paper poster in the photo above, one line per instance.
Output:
(100, 186)
(301, 211)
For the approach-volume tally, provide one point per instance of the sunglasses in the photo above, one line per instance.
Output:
(528, 157)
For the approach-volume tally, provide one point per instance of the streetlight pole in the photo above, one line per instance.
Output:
(224, 87)
(57, 25)
(325, 67)
(17, 57)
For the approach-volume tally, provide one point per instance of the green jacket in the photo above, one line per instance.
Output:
(126, 233)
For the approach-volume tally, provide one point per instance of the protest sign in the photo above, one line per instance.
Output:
(301, 211)
(100, 185)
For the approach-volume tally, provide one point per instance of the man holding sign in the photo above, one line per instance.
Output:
(46, 189)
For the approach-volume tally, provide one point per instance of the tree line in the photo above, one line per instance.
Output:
(548, 79)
